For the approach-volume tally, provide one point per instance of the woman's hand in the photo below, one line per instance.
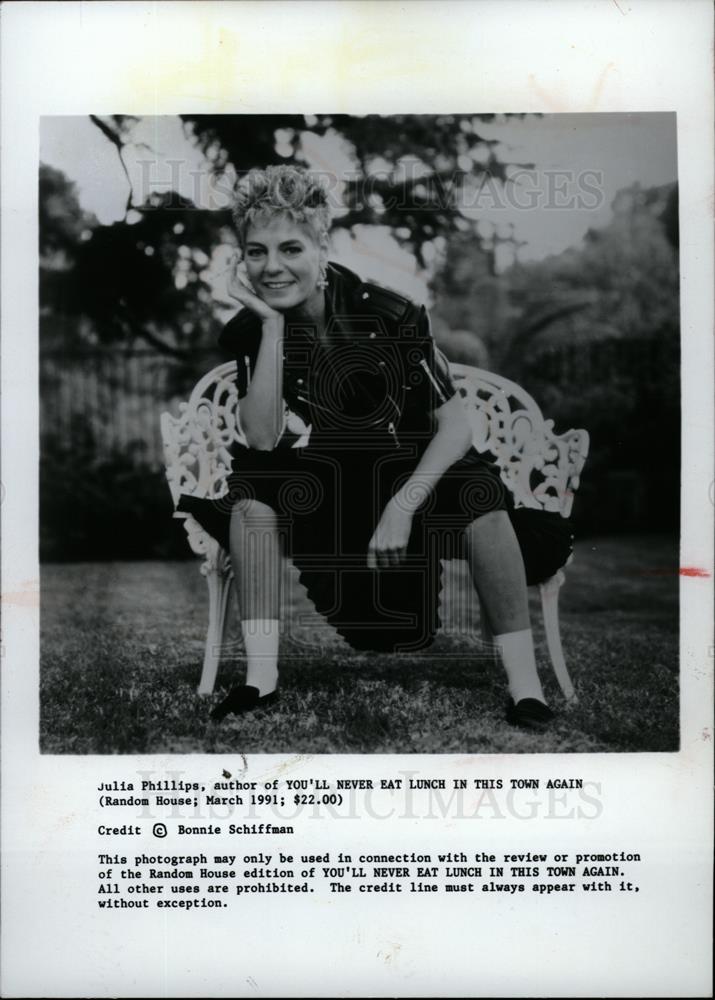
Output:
(388, 545)
(239, 287)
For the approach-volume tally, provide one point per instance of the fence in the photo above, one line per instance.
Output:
(113, 396)
(102, 456)
(601, 362)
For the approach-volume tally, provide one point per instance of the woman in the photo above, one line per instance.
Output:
(357, 459)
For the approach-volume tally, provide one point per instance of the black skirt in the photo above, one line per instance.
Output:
(328, 503)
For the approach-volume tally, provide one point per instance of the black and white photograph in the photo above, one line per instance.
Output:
(357, 498)
(359, 433)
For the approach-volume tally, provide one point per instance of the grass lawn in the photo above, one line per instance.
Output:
(122, 646)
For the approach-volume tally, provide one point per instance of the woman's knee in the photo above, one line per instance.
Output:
(490, 533)
(491, 521)
(255, 533)
(254, 512)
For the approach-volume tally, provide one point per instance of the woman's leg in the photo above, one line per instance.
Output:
(497, 570)
(256, 556)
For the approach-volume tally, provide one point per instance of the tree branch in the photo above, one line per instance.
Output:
(116, 141)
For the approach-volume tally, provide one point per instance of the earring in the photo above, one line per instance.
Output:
(322, 281)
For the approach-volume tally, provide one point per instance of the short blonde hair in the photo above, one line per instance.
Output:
(282, 190)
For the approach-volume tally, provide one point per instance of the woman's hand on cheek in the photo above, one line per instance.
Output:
(388, 545)
(239, 287)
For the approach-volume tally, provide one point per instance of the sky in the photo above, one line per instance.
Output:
(580, 162)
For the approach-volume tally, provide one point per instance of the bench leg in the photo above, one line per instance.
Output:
(216, 567)
(219, 578)
(550, 606)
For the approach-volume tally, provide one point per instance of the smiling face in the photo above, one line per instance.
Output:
(283, 261)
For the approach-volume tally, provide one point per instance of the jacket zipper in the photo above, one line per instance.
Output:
(433, 380)
(391, 429)
(391, 426)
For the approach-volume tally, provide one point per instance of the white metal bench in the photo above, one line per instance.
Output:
(540, 468)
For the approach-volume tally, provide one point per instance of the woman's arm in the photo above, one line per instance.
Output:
(451, 442)
(261, 409)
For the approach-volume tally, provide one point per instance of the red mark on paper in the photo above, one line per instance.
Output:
(683, 571)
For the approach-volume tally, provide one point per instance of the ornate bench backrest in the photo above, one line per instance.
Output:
(541, 468)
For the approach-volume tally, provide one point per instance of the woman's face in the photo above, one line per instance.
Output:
(283, 261)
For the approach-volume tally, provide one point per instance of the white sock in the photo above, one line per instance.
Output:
(517, 653)
(261, 638)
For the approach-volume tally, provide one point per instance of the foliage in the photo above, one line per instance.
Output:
(469, 297)
(145, 280)
(594, 335)
(63, 222)
(126, 280)
(623, 282)
(120, 283)
(96, 505)
(412, 173)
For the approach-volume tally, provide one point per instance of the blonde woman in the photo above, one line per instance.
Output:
(358, 461)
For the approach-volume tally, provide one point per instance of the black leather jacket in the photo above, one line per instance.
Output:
(376, 375)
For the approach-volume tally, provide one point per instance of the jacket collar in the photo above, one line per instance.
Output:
(342, 300)
(342, 288)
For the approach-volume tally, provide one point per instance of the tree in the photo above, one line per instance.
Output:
(124, 283)
(63, 222)
(623, 282)
(414, 173)
(144, 278)
(597, 342)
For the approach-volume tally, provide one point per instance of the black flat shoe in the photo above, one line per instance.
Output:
(242, 698)
(529, 713)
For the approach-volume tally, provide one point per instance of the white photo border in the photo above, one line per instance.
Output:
(372, 57)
